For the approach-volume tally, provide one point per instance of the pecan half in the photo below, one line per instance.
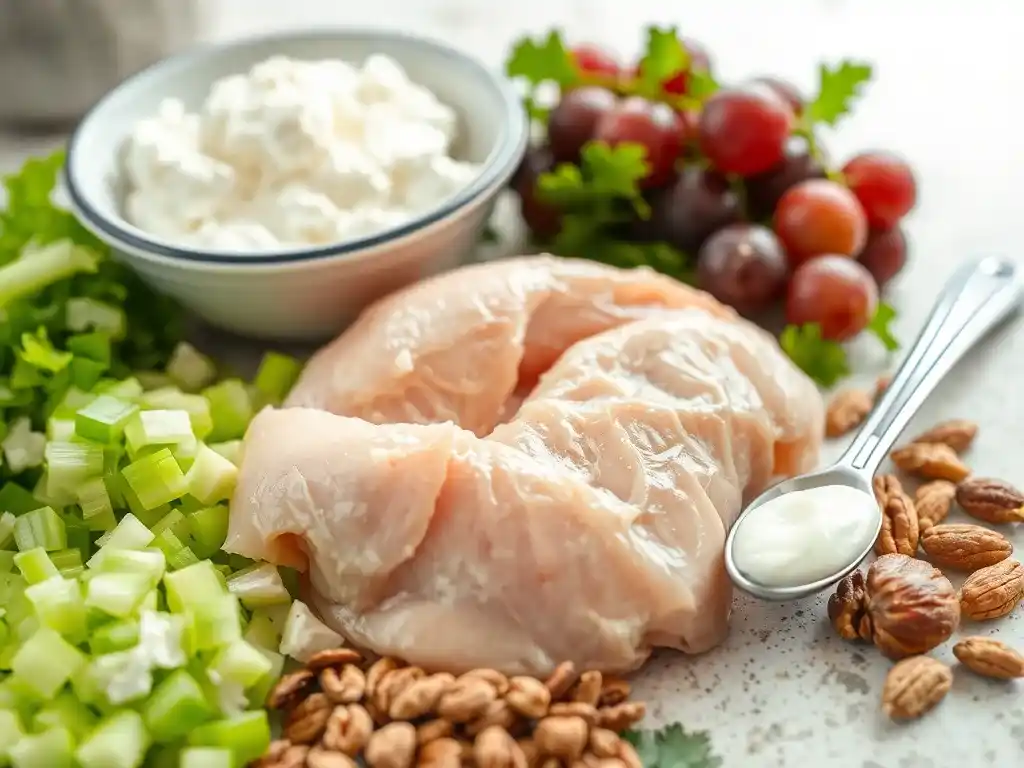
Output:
(912, 607)
(561, 737)
(915, 685)
(494, 748)
(992, 592)
(318, 757)
(958, 434)
(621, 716)
(899, 533)
(343, 686)
(561, 680)
(348, 729)
(964, 547)
(466, 699)
(306, 723)
(847, 410)
(529, 697)
(848, 606)
(991, 500)
(333, 657)
(420, 697)
(393, 746)
(932, 461)
(933, 501)
(441, 753)
(291, 689)
(588, 689)
(989, 658)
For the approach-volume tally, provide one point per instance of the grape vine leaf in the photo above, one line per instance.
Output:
(664, 58)
(821, 359)
(879, 325)
(701, 85)
(604, 172)
(548, 60)
(673, 747)
(838, 87)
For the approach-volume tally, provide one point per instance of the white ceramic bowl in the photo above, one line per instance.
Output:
(302, 293)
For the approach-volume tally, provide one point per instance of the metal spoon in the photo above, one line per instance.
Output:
(978, 297)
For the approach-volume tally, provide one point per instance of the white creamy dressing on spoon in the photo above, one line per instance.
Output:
(801, 537)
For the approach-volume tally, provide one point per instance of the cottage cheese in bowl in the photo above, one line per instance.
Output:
(293, 153)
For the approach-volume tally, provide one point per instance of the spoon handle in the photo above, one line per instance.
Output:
(977, 298)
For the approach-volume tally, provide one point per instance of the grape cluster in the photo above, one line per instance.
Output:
(736, 179)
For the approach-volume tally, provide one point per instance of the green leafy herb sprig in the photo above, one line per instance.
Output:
(673, 747)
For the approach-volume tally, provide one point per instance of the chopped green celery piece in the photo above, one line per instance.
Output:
(176, 706)
(118, 594)
(23, 448)
(97, 508)
(162, 639)
(7, 521)
(230, 450)
(59, 605)
(173, 521)
(130, 533)
(261, 690)
(53, 748)
(304, 634)
(185, 453)
(190, 368)
(85, 372)
(120, 741)
(60, 429)
(208, 528)
(16, 500)
(12, 598)
(214, 622)
(239, 662)
(18, 697)
(114, 636)
(93, 345)
(76, 531)
(264, 629)
(46, 662)
(104, 419)
(35, 565)
(67, 712)
(206, 757)
(130, 499)
(212, 477)
(85, 314)
(41, 527)
(156, 479)
(276, 376)
(231, 408)
(193, 586)
(68, 561)
(151, 380)
(247, 735)
(41, 265)
(7, 560)
(43, 496)
(121, 677)
(188, 504)
(68, 465)
(126, 389)
(11, 732)
(13, 398)
(258, 585)
(197, 406)
(177, 553)
(148, 562)
(162, 427)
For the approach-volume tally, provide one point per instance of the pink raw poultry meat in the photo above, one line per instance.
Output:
(589, 527)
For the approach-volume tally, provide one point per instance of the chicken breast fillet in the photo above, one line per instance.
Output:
(589, 527)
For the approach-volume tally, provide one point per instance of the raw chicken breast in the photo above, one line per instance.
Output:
(466, 345)
(590, 527)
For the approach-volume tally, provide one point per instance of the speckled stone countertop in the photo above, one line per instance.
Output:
(783, 690)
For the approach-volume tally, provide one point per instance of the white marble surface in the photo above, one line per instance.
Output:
(783, 691)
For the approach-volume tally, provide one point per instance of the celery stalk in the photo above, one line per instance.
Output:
(156, 479)
(206, 757)
(120, 741)
(197, 407)
(59, 605)
(38, 267)
(190, 368)
(192, 586)
(52, 748)
(97, 508)
(160, 427)
(231, 408)
(85, 314)
(117, 594)
(239, 662)
(211, 478)
(67, 712)
(114, 636)
(40, 528)
(104, 419)
(46, 662)
(230, 450)
(247, 735)
(175, 707)
(208, 528)
(129, 534)
(11, 731)
(68, 465)
(276, 375)
(6, 529)
(35, 565)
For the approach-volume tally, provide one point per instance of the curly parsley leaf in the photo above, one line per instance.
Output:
(821, 359)
(838, 87)
(673, 747)
(701, 85)
(540, 62)
(604, 173)
(664, 58)
(879, 325)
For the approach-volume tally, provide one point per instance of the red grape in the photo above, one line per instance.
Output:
(765, 189)
(784, 90)
(885, 186)
(544, 221)
(744, 131)
(689, 211)
(836, 292)
(744, 266)
(818, 216)
(700, 61)
(656, 126)
(884, 254)
(572, 123)
(595, 60)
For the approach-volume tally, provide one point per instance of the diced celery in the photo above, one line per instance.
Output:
(160, 427)
(212, 477)
(258, 693)
(121, 677)
(247, 735)
(147, 562)
(263, 630)
(239, 662)
(231, 409)
(11, 732)
(304, 634)
(67, 712)
(259, 585)
(93, 345)
(56, 500)
(35, 565)
(7, 560)
(230, 450)
(6, 529)
(126, 389)
(185, 452)
(214, 622)
(176, 706)
(118, 594)
(190, 368)
(208, 528)
(68, 562)
(59, 605)
(188, 504)
(16, 500)
(276, 376)
(97, 508)
(68, 465)
(22, 447)
(197, 406)
(85, 314)
(120, 741)
(148, 517)
(41, 527)
(46, 661)
(156, 479)
(206, 757)
(129, 534)
(18, 697)
(114, 636)
(151, 380)
(104, 419)
(173, 521)
(52, 748)
(77, 533)
(177, 553)
(85, 373)
(192, 586)
(60, 430)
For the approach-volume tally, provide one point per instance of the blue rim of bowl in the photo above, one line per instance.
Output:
(498, 167)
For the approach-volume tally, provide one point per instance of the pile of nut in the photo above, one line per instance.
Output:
(906, 606)
(339, 709)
